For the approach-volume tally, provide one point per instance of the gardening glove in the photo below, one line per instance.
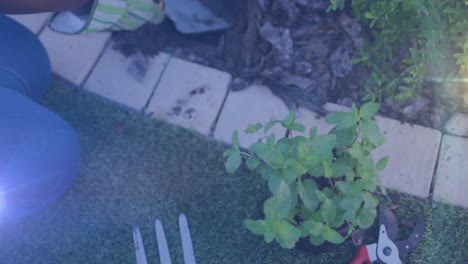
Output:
(109, 15)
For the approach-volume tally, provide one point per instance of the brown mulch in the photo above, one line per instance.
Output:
(297, 49)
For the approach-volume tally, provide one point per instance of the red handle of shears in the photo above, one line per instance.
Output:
(361, 256)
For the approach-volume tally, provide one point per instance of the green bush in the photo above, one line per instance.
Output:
(318, 183)
(413, 40)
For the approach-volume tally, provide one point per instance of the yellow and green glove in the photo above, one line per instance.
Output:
(109, 15)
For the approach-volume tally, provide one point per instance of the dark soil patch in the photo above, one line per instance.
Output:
(301, 52)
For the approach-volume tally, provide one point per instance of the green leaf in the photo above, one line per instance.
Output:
(292, 170)
(328, 192)
(270, 124)
(274, 159)
(302, 151)
(252, 163)
(274, 180)
(357, 187)
(287, 234)
(332, 236)
(343, 120)
(313, 133)
(284, 198)
(298, 127)
(367, 184)
(368, 15)
(346, 203)
(235, 141)
(403, 96)
(365, 167)
(320, 196)
(351, 174)
(381, 164)
(271, 140)
(345, 137)
(371, 131)
(229, 152)
(306, 190)
(327, 168)
(321, 148)
(368, 110)
(313, 169)
(233, 162)
(328, 210)
(289, 120)
(258, 227)
(341, 166)
(357, 152)
(253, 128)
(284, 145)
(339, 221)
(349, 215)
(313, 228)
(335, 117)
(316, 240)
(355, 111)
(370, 201)
(259, 148)
(269, 236)
(357, 202)
(270, 209)
(343, 187)
(366, 217)
(316, 216)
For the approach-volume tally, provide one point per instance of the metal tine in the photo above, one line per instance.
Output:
(187, 247)
(163, 249)
(139, 248)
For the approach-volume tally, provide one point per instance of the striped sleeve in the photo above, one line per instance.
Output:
(109, 15)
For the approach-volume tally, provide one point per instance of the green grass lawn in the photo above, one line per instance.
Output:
(135, 169)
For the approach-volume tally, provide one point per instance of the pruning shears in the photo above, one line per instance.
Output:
(387, 250)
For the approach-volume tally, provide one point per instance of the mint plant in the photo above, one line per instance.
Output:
(318, 183)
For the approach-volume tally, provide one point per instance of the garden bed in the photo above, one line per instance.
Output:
(309, 67)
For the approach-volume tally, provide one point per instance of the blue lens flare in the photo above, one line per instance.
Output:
(2, 200)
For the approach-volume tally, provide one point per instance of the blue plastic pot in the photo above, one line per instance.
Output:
(39, 151)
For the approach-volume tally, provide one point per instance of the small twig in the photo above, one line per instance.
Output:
(399, 76)
(245, 154)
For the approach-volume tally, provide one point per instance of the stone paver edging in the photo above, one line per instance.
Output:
(111, 79)
(451, 180)
(197, 98)
(254, 104)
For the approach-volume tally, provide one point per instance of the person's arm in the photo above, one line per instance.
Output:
(39, 6)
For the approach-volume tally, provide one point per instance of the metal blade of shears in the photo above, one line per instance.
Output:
(406, 246)
(388, 219)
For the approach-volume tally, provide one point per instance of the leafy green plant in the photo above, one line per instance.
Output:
(412, 41)
(318, 183)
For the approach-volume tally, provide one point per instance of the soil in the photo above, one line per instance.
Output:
(299, 50)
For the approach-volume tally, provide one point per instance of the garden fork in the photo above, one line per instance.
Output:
(187, 247)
